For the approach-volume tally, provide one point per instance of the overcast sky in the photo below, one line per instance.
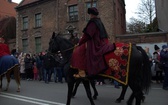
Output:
(131, 7)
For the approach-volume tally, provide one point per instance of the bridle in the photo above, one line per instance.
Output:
(68, 49)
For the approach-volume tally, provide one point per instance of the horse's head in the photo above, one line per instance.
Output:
(59, 43)
(54, 44)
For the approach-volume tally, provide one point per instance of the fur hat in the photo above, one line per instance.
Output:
(156, 47)
(93, 11)
(164, 46)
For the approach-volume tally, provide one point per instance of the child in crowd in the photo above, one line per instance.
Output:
(35, 71)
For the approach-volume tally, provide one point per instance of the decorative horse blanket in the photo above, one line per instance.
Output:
(118, 62)
(6, 63)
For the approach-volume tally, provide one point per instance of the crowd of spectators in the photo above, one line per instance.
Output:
(41, 66)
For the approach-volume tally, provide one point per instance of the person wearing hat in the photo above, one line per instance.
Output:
(156, 58)
(164, 62)
(93, 45)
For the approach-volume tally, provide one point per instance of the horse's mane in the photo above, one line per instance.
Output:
(65, 46)
(64, 43)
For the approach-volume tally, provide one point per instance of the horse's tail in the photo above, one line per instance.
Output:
(146, 71)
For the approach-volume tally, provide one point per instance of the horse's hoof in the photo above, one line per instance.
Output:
(18, 91)
(92, 104)
(128, 103)
(73, 94)
(118, 101)
(95, 97)
(143, 98)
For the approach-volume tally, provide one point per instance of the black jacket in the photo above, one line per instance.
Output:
(48, 62)
(28, 63)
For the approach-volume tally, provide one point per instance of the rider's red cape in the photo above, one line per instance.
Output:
(4, 49)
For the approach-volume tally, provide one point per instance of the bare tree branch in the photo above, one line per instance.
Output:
(146, 11)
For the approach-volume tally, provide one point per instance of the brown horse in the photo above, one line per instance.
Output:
(12, 67)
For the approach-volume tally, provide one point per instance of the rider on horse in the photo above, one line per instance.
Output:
(4, 49)
(6, 60)
(88, 55)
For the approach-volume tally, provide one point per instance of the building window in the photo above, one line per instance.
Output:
(38, 20)
(88, 5)
(73, 13)
(25, 22)
(38, 44)
(25, 45)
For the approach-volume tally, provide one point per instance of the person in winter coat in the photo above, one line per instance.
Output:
(47, 67)
(164, 61)
(28, 67)
(156, 58)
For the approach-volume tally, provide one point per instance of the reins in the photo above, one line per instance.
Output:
(68, 49)
(64, 50)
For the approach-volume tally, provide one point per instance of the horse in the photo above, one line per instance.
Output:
(139, 77)
(92, 83)
(9, 65)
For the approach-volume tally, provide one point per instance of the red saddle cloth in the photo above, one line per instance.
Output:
(118, 62)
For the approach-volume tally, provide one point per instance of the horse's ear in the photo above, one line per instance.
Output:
(53, 35)
(58, 34)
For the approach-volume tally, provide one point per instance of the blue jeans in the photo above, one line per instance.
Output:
(58, 72)
(116, 83)
(47, 73)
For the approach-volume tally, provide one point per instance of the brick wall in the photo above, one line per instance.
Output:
(48, 25)
(155, 37)
(55, 18)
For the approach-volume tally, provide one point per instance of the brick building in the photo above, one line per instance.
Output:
(37, 19)
(8, 22)
(7, 8)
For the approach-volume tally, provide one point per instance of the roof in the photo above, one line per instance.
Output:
(25, 2)
(28, 3)
(7, 8)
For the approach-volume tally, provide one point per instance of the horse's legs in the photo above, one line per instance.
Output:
(1, 83)
(8, 79)
(76, 87)
(122, 95)
(70, 89)
(86, 84)
(92, 82)
(131, 98)
(17, 77)
(137, 94)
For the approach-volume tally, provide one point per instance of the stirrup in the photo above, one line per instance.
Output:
(81, 74)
